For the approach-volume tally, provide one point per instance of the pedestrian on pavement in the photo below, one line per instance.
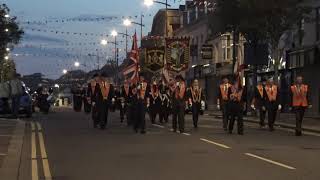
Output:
(154, 102)
(237, 95)
(196, 96)
(179, 104)
(272, 102)
(223, 101)
(91, 99)
(143, 103)
(16, 91)
(164, 101)
(104, 96)
(86, 104)
(258, 102)
(124, 96)
(300, 97)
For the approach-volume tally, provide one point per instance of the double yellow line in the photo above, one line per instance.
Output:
(37, 132)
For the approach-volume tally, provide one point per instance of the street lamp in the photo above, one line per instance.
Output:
(76, 64)
(104, 42)
(114, 33)
(6, 30)
(64, 71)
(7, 16)
(127, 22)
(7, 49)
(148, 2)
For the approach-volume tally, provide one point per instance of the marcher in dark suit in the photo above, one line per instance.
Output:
(237, 95)
(223, 101)
(91, 99)
(142, 104)
(104, 96)
(164, 102)
(124, 100)
(196, 96)
(154, 102)
(258, 101)
(300, 101)
(272, 102)
(132, 105)
(179, 104)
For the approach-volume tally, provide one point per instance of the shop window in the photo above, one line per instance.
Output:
(226, 47)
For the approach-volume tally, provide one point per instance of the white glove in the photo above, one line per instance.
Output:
(279, 107)
(310, 106)
(113, 100)
(218, 106)
(253, 107)
(263, 108)
(148, 105)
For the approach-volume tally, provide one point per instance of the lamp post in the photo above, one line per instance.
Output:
(128, 22)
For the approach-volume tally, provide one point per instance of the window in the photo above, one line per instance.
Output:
(226, 47)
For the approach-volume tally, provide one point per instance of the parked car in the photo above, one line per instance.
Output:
(25, 103)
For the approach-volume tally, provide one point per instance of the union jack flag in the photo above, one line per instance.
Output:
(132, 70)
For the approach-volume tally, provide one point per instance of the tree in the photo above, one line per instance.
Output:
(10, 34)
(260, 20)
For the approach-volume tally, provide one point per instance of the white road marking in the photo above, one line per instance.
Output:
(187, 134)
(4, 135)
(270, 161)
(159, 126)
(217, 144)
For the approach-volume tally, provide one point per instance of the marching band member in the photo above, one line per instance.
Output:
(300, 97)
(142, 104)
(104, 96)
(179, 104)
(195, 98)
(223, 101)
(272, 100)
(258, 101)
(236, 95)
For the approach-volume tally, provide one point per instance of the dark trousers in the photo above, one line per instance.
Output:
(164, 112)
(262, 116)
(154, 110)
(272, 114)
(123, 112)
(195, 113)
(15, 105)
(140, 120)
(225, 114)
(299, 111)
(95, 115)
(236, 111)
(178, 115)
(103, 111)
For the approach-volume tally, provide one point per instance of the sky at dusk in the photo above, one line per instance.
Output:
(49, 52)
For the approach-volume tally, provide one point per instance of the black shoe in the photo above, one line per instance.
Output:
(95, 126)
(143, 132)
(174, 131)
(230, 131)
(271, 129)
(136, 130)
(102, 127)
(240, 133)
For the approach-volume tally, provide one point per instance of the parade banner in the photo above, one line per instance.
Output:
(178, 53)
(154, 59)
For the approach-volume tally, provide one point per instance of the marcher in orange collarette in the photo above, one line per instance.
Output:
(223, 101)
(272, 102)
(300, 97)
(258, 101)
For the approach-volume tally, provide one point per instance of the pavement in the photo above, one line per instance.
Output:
(64, 146)
(11, 140)
(285, 120)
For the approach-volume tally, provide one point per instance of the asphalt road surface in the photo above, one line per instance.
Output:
(64, 146)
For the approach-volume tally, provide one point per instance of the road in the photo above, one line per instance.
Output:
(64, 146)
